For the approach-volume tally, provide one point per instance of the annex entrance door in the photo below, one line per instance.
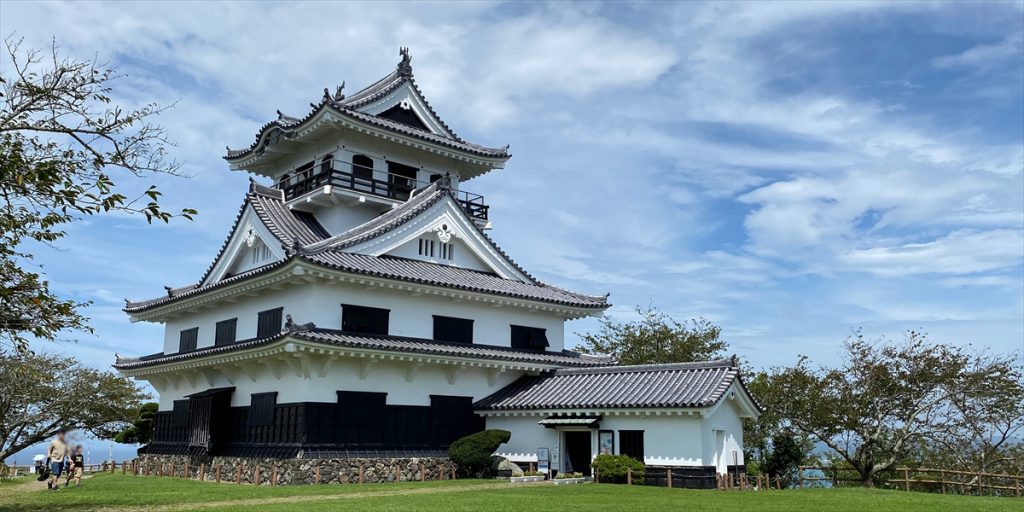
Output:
(577, 451)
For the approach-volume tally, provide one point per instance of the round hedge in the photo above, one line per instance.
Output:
(473, 453)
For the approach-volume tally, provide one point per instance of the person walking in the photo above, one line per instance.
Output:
(77, 467)
(55, 454)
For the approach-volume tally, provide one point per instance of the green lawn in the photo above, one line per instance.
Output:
(150, 494)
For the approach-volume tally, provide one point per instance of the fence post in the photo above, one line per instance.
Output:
(360, 473)
(942, 478)
(256, 476)
(423, 476)
(778, 483)
(1016, 485)
(316, 475)
(906, 479)
(273, 477)
(597, 475)
(629, 476)
(202, 472)
(800, 476)
(218, 473)
(398, 473)
(238, 477)
(187, 472)
(453, 471)
(668, 476)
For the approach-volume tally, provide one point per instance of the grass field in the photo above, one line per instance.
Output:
(150, 494)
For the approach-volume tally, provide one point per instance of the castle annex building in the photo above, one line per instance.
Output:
(358, 308)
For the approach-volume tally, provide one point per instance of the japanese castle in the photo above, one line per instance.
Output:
(359, 309)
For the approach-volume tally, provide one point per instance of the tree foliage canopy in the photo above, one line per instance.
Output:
(141, 429)
(656, 338)
(62, 144)
(887, 398)
(41, 394)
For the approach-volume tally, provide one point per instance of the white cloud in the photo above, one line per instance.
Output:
(960, 252)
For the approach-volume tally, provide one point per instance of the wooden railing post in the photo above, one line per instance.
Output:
(273, 478)
(942, 478)
(453, 471)
(629, 476)
(800, 476)
(217, 474)
(316, 474)
(597, 475)
(360, 473)
(423, 476)
(906, 479)
(668, 477)
(256, 476)
(238, 477)
(398, 473)
(202, 472)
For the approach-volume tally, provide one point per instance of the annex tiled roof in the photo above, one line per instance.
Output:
(389, 343)
(308, 241)
(348, 106)
(679, 385)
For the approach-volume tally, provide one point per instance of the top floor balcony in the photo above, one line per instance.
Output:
(397, 183)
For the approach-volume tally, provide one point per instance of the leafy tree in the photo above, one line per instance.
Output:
(62, 144)
(141, 429)
(887, 398)
(786, 454)
(41, 394)
(655, 338)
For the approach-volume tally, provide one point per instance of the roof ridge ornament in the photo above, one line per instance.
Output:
(338, 96)
(405, 66)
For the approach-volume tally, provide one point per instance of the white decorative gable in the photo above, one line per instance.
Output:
(408, 99)
(450, 238)
(251, 246)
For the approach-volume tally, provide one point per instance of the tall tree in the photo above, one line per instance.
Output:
(141, 429)
(41, 394)
(887, 398)
(62, 144)
(655, 338)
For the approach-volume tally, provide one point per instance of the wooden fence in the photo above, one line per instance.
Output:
(944, 481)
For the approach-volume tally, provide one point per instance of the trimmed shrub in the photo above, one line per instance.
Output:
(612, 468)
(472, 454)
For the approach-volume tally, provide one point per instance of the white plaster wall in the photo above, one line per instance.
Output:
(384, 377)
(341, 218)
(668, 440)
(727, 419)
(527, 436)
(321, 303)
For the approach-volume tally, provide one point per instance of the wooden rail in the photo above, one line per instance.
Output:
(908, 479)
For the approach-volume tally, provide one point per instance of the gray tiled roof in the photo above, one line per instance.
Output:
(388, 343)
(315, 247)
(646, 386)
(349, 106)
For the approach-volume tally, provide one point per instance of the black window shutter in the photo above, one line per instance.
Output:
(226, 332)
(631, 443)
(179, 416)
(189, 340)
(458, 330)
(269, 322)
(364, 320)
(529, 338)
(261, 409)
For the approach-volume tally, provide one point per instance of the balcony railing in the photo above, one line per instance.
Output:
(347, 175)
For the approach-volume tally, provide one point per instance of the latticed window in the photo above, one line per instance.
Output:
(268, 323)
(189, 339)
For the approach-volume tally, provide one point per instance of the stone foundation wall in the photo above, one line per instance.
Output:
(295, 471)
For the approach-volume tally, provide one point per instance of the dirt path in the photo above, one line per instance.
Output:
(30, 486)
(309, 498)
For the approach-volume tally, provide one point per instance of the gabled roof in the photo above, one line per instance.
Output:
(679, 385)
(307, 241)
(354, 108)
(364, 341)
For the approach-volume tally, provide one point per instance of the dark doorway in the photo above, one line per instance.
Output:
(402, 179)
(577, 451)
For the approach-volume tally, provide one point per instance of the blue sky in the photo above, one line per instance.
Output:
(791, 171)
